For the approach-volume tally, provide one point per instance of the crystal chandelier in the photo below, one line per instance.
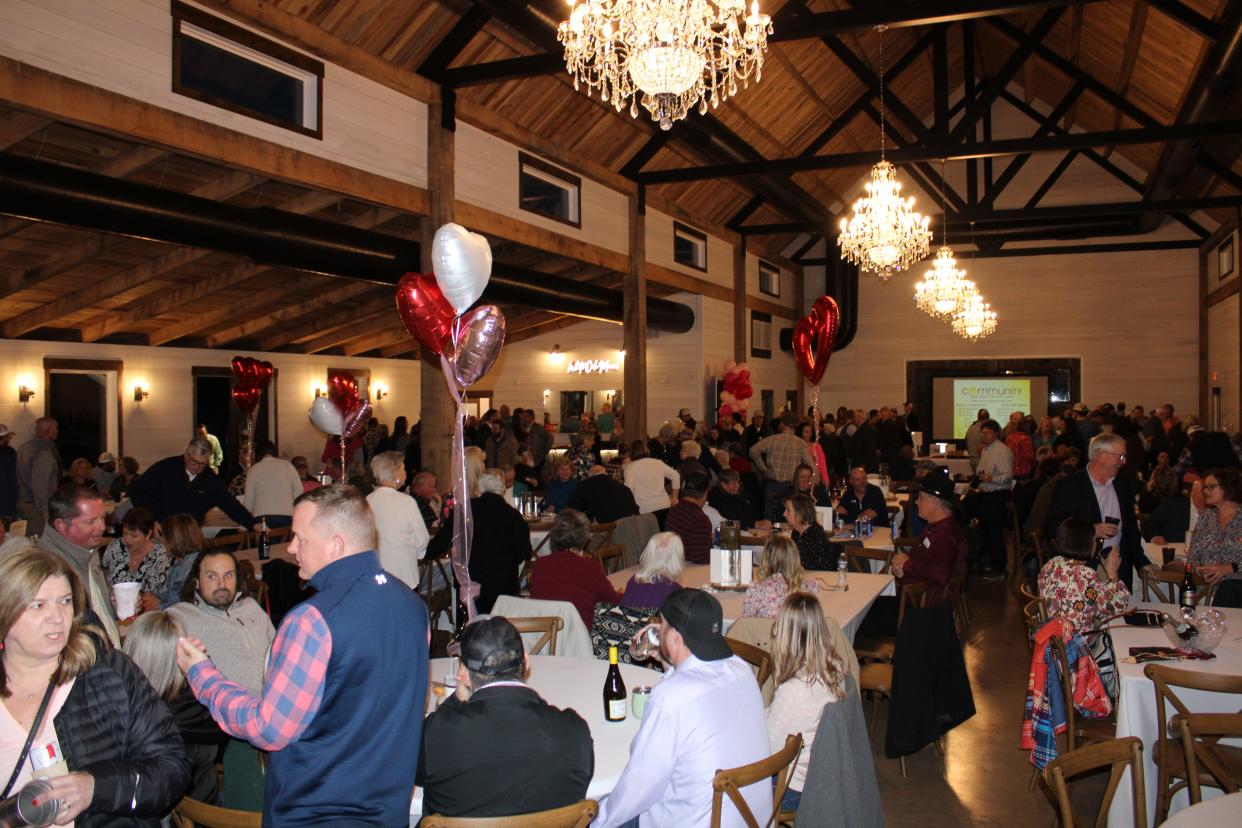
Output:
(673, 53)
(976, 320)
(885, 234)
(944, 288)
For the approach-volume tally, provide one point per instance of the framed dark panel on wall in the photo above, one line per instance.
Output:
(760, 334)
(1225, 259)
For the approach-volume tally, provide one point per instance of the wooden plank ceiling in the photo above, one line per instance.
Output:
(60, 282)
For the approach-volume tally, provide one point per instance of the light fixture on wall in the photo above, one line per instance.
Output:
(24, 393)
(671, 57)
(141, 392)
(556, 354)
(381, 391)
(318, 390)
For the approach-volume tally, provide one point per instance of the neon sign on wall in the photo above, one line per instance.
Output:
(592, 366)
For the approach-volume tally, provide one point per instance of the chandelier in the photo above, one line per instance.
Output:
(944, 288)
(976, 320)
(673, 54)
(885, 234)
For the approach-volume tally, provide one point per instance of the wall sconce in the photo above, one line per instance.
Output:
(24, 393)
(556, 355)
(381, 391)
(547, 397)
(318, 390)
(141, 392)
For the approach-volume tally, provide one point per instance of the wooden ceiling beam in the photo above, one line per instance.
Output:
(1188, 17)
(555, 324)
(360, 307)
(206, 319)
(447, 50)
(344, 326)
(149, 307)
(377, 339)
(17, 126)
(290, 315)
(224, 187)
(1134, 39)
(75, 102)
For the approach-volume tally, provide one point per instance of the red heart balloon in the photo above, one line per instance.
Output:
(247, 398)
(262, 372)
(814, 336)
(424, 311)
(343, 391)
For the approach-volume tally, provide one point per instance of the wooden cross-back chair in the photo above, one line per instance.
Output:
(578, 815)
(1166, 584)
(610, 557)
(730, 783)
(548, 625)
(1201, 734)
(190, 813)
(1118, 755)
(756, 657)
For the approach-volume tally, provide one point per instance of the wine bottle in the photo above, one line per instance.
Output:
(1190, 595)
(614, 689)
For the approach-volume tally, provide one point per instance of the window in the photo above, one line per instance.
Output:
(235, 69)
(689, 247)
(549, 191)
(769, 279)
(761, 334)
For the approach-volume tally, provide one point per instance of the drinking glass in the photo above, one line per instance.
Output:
(645, 644)
(730, 534)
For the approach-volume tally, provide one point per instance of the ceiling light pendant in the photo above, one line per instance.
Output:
(670, 55)
(945, 288)
(886, 234)
(976, 320)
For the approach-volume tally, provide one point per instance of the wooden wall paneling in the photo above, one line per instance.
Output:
(439, 410)
(1219, 338)
(740, 316)
(1223, 362)
(676, 371)
(634, 339)
(500, 227)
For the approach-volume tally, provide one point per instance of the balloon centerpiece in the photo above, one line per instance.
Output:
(737, 391)
(436, 310)
(251, 378)
(813, 339)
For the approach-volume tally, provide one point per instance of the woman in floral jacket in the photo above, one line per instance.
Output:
(1070, 586)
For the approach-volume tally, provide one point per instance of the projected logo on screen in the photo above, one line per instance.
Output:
(1001, 397)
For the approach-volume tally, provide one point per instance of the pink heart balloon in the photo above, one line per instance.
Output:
(355, 419)
(481, 334)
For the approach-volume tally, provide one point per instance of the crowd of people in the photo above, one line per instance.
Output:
(204, 676)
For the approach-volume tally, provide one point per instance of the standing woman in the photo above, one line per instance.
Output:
(183, 540)
(814, 548)
(808, 674)
(127, 764)
(1216, 545)
(401, 534)
(138, 556)
(400, 435)
(807, 432)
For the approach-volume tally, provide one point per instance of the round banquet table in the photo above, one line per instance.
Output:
(575, 683)
(1221, 812)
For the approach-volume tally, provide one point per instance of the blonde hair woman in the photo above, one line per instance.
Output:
(662, 563)
(808, 674)
(402, 535)
(780, 573)
(100, 710)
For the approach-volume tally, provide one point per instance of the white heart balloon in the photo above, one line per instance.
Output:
(325, 416)
(462, 263)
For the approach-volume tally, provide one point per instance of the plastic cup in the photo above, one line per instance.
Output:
(126, 597)
(638, 700)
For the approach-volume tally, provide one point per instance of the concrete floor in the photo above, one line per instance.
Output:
(982, 778)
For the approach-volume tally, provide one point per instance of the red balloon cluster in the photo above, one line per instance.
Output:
(427, 315)
(355, 411)
(814, 336)
(252, 377)
(737, 390)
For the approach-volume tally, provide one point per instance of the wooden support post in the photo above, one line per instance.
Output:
(437, 408)
(800, 308)
(634, 336)
(739, 300)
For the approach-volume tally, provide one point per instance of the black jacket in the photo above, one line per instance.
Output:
(931, 688)
(501, 545)
(732, 506)
(8, 481)
(864, 450)
(166, 490)
(537, 757)
(603, 499)
(1074, 497)
(1170, 520)
(115, 728)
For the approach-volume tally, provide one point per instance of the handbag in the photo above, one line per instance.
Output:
(1100, 646)
(615, 625)
(34, 728)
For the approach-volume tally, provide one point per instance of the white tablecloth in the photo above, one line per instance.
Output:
(955, 465)
(1221, 812)
(1136, 703)
(846, 608)
(576, 683)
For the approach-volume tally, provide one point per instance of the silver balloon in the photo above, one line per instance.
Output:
(325, 416)
(462, 264)
(481, 336)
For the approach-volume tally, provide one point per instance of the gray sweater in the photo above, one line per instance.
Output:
(840, 782)
(237, 639)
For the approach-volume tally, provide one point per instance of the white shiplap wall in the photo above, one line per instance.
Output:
(786, 297)
(160, 426)
(660, 250)
(487, 175)
(125, 46)
(1222, 325)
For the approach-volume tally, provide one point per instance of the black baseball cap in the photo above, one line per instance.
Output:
(492, 645)
(700, 620)
(938, 483)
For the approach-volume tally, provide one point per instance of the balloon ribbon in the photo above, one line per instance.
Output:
(463, 524)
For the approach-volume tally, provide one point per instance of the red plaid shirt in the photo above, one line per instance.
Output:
(292, 690)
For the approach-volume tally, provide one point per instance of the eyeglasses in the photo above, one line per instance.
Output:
(1210, 486)
(1118, 455)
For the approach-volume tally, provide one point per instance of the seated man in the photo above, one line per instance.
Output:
(1173, 519)
(940, 554)
(862, 499)
(732, 504)
(706, 714)
(602, 498)
(538, 757)
(688, 520)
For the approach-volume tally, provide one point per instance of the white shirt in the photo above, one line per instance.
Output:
(1106, 499)
(704, 716)
(645, 478)
(796, 708)
(402, 534)
(996, 460)
(272, 485)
